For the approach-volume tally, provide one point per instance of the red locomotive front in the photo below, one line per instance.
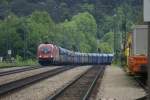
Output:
(46, 53)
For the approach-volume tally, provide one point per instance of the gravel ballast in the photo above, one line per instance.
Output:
(43, 89)
(16, 76)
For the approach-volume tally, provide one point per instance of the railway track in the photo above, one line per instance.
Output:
(142, 82)
(81, 87)
(10, 87)
(18, 70)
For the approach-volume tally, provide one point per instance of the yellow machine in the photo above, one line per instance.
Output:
(136, 62)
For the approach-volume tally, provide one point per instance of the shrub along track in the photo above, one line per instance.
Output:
(81, 87)
(10, 87)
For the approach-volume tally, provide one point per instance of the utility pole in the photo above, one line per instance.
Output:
(8, 43)
(124, 37)
(8, 38)
(25, 32)
(96, 13)
(147, 19)
(25, 44)
(148, 61)
(97, 41)
(118, 42)
(115, 39)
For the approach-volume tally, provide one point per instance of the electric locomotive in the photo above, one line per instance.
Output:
(51, 54)
(47, 53)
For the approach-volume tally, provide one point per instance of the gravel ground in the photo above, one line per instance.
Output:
(43, 89)
(16, 76)
(117, 85)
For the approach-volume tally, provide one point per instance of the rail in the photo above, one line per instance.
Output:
(8, 87)
(81, 87)
(18, 70)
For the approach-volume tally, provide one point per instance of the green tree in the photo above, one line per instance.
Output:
(79, 33)
(10, 37)
(105, 47)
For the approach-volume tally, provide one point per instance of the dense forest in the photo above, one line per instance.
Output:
(79, 25)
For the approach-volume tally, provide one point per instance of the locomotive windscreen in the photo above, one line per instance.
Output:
(45, 50)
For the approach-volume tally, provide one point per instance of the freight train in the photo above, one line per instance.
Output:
(51, 54)
(136, 50)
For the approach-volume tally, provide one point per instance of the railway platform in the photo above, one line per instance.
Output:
(117, 85)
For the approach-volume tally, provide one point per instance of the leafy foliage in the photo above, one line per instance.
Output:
(80, 25)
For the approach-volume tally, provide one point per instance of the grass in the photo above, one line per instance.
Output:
(18, 63)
